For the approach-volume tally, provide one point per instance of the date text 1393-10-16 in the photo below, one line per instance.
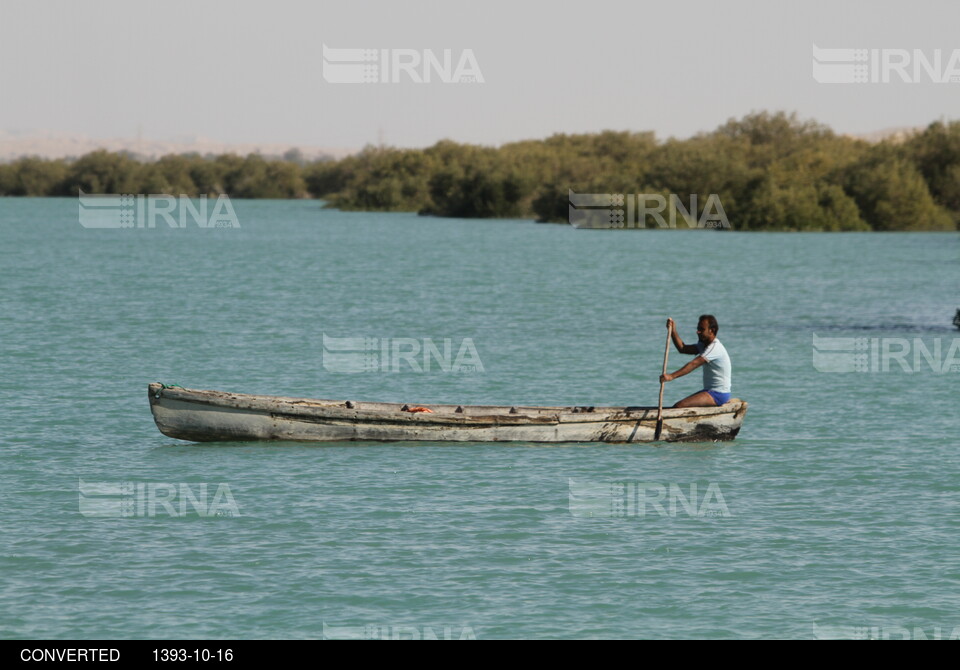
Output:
(192, 655)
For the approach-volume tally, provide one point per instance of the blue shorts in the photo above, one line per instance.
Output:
(719, 398)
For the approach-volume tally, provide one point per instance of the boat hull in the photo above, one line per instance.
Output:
(209, 416)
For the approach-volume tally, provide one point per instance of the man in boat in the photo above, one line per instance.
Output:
(712, 356)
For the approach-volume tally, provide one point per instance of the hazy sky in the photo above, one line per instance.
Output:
(252, 71)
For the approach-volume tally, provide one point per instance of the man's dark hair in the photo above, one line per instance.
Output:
(711, 322)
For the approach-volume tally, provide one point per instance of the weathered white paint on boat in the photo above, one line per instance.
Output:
(206, 416)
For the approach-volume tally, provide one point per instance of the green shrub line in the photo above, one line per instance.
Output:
(771, 171)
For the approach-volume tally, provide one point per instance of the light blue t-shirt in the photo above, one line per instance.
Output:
(717, 373)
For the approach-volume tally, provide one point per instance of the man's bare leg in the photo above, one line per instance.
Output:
(698, 399)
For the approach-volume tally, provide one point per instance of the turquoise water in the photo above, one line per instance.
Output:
(839, 504)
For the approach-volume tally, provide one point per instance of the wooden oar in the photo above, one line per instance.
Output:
(666, 353)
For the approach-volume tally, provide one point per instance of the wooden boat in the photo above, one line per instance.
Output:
(207, 416)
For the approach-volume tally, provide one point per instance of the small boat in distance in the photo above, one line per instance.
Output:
(211, 416)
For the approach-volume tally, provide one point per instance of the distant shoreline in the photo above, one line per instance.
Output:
(732, 230)
(766, 171)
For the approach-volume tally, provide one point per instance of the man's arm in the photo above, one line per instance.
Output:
(686, 369)
(678, 343)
